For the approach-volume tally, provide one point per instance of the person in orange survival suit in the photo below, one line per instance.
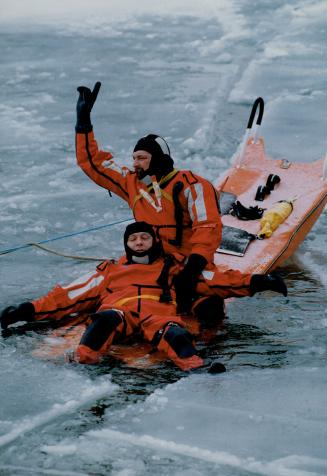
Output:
(183, 207)
(135, 295)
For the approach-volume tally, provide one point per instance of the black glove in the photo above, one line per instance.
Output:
(267, 282)
(185, 282)
(12, 314)
(84, 106)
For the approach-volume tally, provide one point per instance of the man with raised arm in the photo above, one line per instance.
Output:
(181, 206)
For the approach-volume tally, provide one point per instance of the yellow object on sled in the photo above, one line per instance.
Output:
(274, 217)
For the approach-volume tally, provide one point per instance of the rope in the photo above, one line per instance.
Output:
(58, 253)
(60, 237)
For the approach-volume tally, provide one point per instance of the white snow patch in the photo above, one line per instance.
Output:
(60, 450)
(279, 48)
(274, 468)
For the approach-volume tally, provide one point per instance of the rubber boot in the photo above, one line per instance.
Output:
(85, 355)
(98, 337)
(177, 344)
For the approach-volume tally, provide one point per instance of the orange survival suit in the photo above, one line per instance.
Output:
(189, 220)
(137, 295)
(123, 299)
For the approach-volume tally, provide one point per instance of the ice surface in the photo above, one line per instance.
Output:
(188, 70)
(261, 422)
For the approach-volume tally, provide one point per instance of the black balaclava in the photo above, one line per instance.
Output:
(143, 257)
(161, 162)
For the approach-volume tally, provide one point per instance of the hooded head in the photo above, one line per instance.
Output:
(140, 243)
(161, 162)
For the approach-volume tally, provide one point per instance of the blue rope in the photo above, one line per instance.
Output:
(60, 237)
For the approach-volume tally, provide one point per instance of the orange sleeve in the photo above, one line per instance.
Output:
(99, 165)
(206, 222)
(225, 284)
(82, 295)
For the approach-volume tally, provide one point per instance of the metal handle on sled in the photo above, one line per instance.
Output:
(258, 103)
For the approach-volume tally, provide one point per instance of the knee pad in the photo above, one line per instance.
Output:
(104, 324)
(180, 340)
(210, 311)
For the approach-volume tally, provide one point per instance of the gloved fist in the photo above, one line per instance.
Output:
(12, 314)
(84, 106)
(185, 282)
(267, 282)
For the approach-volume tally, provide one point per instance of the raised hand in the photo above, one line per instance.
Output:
(84, 107)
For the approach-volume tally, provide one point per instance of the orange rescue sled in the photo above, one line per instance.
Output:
(293, 195)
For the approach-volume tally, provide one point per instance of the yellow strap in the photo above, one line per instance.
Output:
(123, 301)
(167, 177)
(167, 195)
(161, 182)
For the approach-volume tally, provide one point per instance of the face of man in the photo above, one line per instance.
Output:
(141, 162)
(140, 242)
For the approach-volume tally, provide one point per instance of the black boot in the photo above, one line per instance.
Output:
(267, 282)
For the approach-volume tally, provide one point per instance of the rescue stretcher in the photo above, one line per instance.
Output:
(261, 185)
(254, 191)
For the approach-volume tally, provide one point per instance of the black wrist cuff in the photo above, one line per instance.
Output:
(85, 128)
(196, 263)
